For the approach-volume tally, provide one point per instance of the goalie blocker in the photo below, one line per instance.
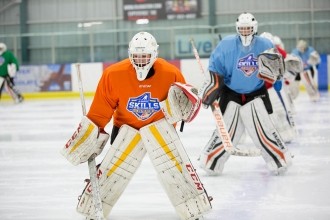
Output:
(85, 141)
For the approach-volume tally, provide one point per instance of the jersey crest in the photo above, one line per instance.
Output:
(144, 106)
(248, 64)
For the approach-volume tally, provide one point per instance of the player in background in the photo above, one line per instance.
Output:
(311, 59)
(144, 96)
(236, 76)
(283, 110)
(8, 68)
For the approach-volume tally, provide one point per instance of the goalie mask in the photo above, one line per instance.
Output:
(142, 52)
(302, 46)
(268, 36)
(246, 27)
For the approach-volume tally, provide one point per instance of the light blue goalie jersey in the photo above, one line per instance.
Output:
(304, 56)
(239, 64)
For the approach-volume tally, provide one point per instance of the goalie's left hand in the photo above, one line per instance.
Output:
(182, 103)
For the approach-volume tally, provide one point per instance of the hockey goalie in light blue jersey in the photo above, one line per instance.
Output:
(238, 67)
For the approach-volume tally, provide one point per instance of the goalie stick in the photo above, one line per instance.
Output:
(221, 127)
(91, 161)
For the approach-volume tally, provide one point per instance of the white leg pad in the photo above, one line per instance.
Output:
(310, 85)
(264, 135)
(294, 89)
(175, 170)
(286, 90)
(214, 156)
(1, 80)
(116, 170)
(282, 116)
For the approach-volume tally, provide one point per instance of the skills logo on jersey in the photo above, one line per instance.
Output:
(143, 107)
(248, 64)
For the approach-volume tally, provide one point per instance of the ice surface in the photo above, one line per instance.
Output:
(37, 183)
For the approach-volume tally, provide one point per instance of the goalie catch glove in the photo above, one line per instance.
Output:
(182, 103)
(271, 65)
(211, 88)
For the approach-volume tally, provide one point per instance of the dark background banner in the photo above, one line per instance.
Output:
(161, 9)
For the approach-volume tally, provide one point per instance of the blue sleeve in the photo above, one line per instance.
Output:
(216, 61)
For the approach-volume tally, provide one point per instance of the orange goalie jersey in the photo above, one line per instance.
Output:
(129, 101)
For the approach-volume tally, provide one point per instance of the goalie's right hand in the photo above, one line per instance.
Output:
(211, 88)
(85, 141)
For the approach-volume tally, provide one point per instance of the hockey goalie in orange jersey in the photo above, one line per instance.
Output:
(132, 93)
(145, 96)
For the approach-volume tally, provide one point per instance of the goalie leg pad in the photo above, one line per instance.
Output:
(282, 115)
(289, 107)
(12, 90)
(264, 135)
(2, 81)
(214, 156)
(293, 88)
(116, 170)
(310, 85)
(85, 141)
(175, 171)
(289, 98)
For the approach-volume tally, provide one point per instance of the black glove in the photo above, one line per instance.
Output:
(211, 88)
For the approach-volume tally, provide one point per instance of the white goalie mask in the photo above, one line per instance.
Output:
(246, 27)
(268, 36)
(302, 46)
(142, 52)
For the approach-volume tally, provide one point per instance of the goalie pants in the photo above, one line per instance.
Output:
(228, 95)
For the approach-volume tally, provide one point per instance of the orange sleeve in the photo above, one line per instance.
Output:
(104, 103)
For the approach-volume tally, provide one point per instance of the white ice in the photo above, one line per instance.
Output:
(37, 183)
